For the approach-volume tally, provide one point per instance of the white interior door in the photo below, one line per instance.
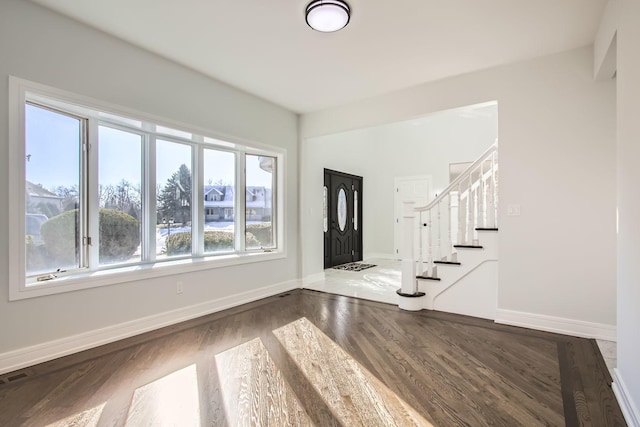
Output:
(416, 189)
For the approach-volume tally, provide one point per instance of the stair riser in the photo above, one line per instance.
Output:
(473, 266)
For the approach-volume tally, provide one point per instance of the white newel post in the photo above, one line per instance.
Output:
(410, 298)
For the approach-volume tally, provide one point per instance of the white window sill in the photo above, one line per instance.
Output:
(113, 276)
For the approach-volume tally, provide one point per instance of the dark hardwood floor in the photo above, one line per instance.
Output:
(309, 358)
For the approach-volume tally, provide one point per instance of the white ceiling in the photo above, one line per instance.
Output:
(265, 47)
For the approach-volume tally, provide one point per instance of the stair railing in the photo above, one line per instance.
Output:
(471, 202)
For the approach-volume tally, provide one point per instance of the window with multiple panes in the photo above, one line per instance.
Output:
(105, 193)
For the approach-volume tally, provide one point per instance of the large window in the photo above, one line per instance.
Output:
(259, 201)
(219, 201)
(119, 195)
(110, 194)
(53, 189)
(173, 199)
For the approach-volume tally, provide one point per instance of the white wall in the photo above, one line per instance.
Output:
(629, 201)
(41, 46)
(557, 160)
(621, 22)
(422, 146)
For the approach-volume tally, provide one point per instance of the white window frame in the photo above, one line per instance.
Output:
(21, 91)
(274, 196)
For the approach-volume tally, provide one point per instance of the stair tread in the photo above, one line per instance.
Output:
(469, 246)
(427, 278)
(486, 229)
(447, 262)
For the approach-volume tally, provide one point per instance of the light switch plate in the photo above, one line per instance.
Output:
(513, 210)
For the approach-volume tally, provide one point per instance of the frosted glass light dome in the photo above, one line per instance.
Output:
(328, 15)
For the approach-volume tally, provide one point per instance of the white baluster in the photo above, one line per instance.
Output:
(439, 233)
(490, 201)
(482, 220)
(420, 239)
(476, 214)
(449, 240)
(469, 234)
(494, 168)
(461, 210)
(473, 216)
(430, 268)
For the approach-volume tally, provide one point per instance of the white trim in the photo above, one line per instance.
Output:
(628, 407)
(313, 278)
(29, 356)
(138, 272)
(559, 325)
(17, 261)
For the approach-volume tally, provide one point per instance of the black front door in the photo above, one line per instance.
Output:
(343, 226)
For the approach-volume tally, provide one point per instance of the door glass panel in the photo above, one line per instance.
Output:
(355, 210)
(342, 209)
(325, 219)
(173, 199)
(53, 191)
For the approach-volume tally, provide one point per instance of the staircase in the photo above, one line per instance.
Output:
(455, 269)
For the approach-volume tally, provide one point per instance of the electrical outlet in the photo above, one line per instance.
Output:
(179, 288)
(513, 210)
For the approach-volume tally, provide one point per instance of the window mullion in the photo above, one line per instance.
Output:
(90, 174)
(240, 202)
(197, 207)
(149, 216)
(275, 206)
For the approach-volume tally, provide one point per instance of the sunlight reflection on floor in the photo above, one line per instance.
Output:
(254, 390)
(251, 390)
(353, 394)
(172, 400)
(88, 418)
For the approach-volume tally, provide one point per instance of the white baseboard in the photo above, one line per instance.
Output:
(313, 278)
(559, 325)
(29, 356)
(628, 407)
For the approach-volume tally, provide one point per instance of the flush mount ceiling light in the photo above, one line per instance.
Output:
(328, 15)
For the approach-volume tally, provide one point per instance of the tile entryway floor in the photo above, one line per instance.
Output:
(609, 353)
(378, 283)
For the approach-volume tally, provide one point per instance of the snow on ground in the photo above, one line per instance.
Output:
(163, 233)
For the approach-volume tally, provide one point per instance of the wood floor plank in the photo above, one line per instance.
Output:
(603, 410)
(255, 392)
(351, 362)
(320, 413)
(355, 396)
